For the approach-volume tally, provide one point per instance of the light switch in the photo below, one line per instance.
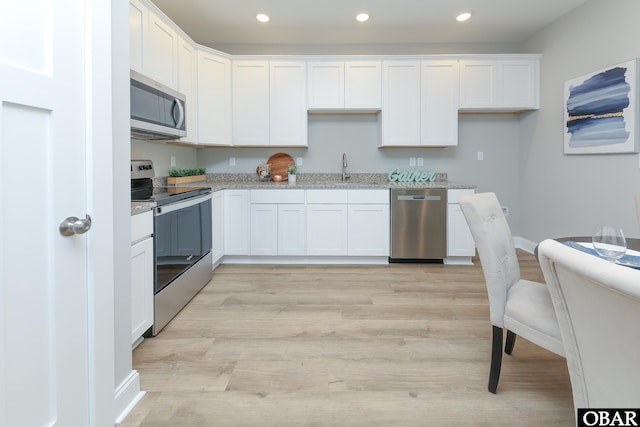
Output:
(412, 161)
(480, 155)
(420, 161)
(232, 161)
(173, 161)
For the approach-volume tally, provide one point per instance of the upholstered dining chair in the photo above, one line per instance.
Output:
(522, 307)
(598, 307)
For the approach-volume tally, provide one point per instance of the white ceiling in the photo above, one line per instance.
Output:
(218, 22)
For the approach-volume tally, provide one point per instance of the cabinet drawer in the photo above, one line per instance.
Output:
(369, 196)
(141, 225)
(277, 196)
(454, 195)
(327, 196)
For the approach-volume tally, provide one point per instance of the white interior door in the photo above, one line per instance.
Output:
(44, 368)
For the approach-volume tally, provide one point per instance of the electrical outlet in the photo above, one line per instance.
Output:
(299, 161)
(505, 211)
(173, 161)
(412, 161)
(420, 161)
(232, 161)
(480, 155)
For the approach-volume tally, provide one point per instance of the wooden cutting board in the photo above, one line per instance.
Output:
(279, 164)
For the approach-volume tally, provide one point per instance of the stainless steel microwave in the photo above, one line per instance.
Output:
(157, 111)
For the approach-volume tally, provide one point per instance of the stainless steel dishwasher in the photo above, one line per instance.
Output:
(418, 224)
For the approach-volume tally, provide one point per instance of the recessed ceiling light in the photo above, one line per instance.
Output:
(362, 17)
(463, 16)
(262, 17)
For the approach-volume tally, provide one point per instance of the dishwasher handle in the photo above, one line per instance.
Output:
(419, 198)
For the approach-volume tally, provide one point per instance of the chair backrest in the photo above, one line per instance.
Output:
(494, 242)
(597, 304)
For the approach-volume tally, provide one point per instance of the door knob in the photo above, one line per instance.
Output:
(73, 225)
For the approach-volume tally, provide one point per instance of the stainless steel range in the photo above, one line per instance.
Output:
(182, 241)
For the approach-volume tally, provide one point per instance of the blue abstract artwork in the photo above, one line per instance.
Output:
(600, 111)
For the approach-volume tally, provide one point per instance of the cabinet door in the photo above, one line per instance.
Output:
(401, 103)
(518, 87)
(459, 238)
(291, 229)
(327, 230)
(217, 229)
(214, 99)
(264, 229)
(161, 53)
(187, 81)
(236, 222)
(439, 104)
(363, 84)
(368, 230)
(138, 15)
(250, 103)
(141, 288)
(288, 104)
(326, 84)
(478, 84)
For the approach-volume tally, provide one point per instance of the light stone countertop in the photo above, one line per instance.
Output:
(304, 181)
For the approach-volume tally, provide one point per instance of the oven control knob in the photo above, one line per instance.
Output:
(73, 225)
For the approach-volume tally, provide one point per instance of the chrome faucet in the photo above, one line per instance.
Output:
(345, 175)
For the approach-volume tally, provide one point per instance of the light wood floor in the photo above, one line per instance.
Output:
(397, 345)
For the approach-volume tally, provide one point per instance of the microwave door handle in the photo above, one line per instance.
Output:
(180, 108)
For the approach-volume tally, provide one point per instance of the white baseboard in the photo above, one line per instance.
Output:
(127, 396)
(344, 260)
(524, 244)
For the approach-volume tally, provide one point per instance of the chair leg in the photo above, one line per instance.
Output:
(511, 341)
(496, 359)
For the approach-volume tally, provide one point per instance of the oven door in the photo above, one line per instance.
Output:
(182, 236)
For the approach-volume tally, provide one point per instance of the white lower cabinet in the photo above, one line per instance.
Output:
(327, 229)
(264, 229)
(277, 222)
(236, 222)
(460, 242)
(217, 229)
(291, 230)
(369, 230)
(141, 274)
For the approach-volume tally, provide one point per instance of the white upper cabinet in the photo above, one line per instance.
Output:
(506, 84)
(326, 84)
(439, 103)
(401, 106)
(138, 18)
(363, 84)
(269, 103)
(420, 107)
(250, 103)
(153, 44)
(187, 85)
(287, 103)
(214, 99)
(344, 85)
(161, 51)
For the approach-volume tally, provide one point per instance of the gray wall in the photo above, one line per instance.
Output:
(569, 195)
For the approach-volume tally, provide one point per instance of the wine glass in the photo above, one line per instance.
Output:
(609, 242)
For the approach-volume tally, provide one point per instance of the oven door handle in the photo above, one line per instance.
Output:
(161, 210)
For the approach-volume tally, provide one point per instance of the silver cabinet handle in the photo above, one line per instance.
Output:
(73, 225)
